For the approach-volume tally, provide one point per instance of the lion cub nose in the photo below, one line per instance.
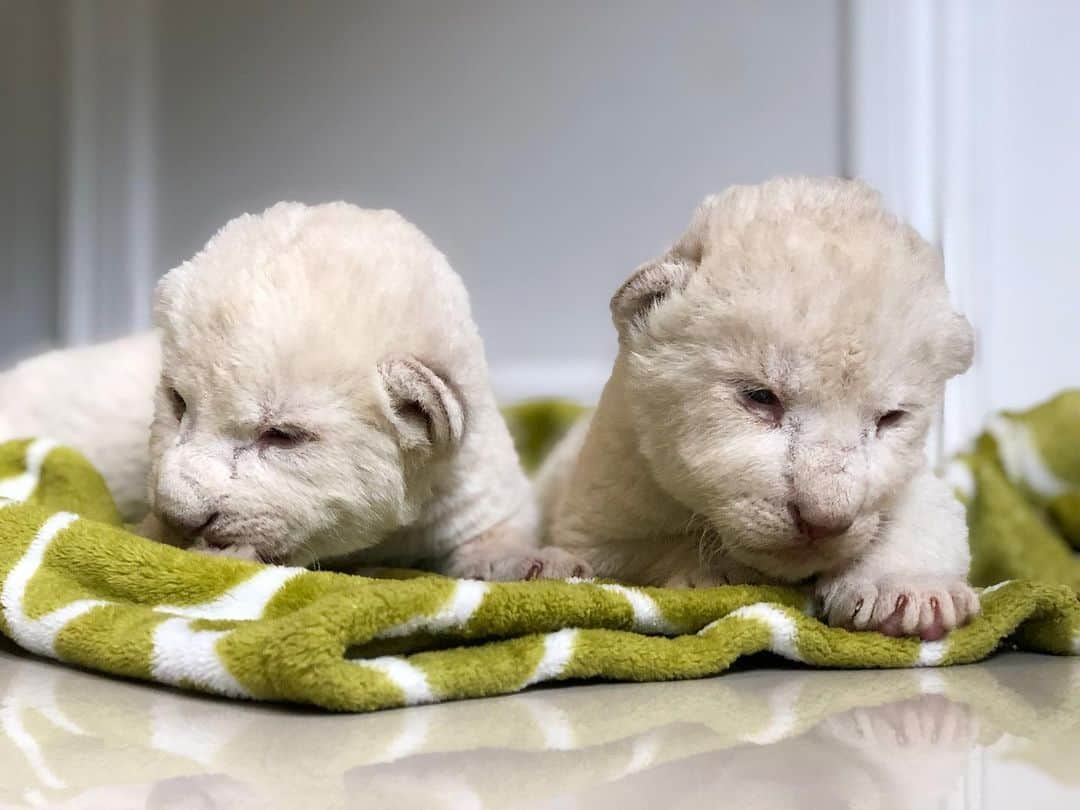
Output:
(819, 529)
(189, 525)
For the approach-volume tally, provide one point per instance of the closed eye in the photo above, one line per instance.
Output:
(890, 419)
(284, 438)
(764, 403)
(179, 406)
(763, 396)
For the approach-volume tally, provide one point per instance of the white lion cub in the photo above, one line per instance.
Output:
(765, 420)
(322, 394)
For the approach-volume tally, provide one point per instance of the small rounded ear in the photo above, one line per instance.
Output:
(650, 284)
(164, 293)
(654, 281)
(425, 410)
(959, 348)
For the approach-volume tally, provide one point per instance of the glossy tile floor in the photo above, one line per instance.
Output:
(1002, 734)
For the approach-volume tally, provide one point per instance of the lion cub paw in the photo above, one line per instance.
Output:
(899, 606)
(503, 565)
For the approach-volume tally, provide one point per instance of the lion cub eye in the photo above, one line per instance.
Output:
(890, 419)
(763, 396)
(179, 406)
(284, 438)
(764, 402)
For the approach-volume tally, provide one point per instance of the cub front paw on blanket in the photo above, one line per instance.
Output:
(778, 372)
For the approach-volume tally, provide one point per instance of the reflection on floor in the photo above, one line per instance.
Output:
(991, 735)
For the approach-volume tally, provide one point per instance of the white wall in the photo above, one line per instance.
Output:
(1031, 131)
(965, 113)
(547, 148)
(30, 99)
(109, 147)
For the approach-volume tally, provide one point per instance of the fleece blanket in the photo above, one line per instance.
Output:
(76, 586)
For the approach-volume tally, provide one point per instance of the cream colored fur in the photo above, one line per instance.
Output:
(323, 395)
(811, 290)
(97, 398)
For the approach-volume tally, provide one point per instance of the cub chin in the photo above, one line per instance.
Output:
(778, 370)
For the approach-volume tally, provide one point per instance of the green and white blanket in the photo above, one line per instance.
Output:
(80, 588)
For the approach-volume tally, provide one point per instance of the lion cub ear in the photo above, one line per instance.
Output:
(654, 281)
(959, 345)
(423, 407)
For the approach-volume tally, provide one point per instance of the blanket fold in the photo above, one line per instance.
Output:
(76, 586)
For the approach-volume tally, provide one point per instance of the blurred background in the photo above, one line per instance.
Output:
(547, 148)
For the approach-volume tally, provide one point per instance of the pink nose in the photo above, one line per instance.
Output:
(819, 530)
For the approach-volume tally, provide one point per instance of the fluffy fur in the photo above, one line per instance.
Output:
(97, 398)
(766, 417)
(322, 395)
